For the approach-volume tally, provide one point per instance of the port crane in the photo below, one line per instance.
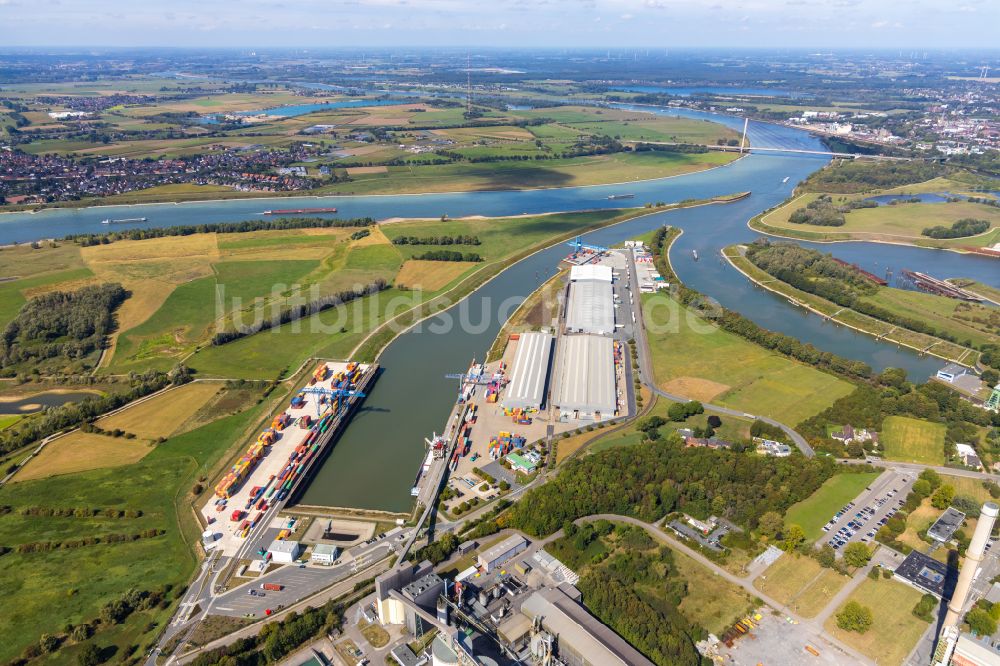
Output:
(579, 246)
(464, 378)
(333, 393)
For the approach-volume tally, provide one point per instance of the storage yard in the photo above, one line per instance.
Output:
(548, 382)
(273, 467)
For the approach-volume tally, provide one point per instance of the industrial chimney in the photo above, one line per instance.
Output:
(973, 556)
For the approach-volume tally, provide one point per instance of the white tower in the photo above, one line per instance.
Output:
(973, 557)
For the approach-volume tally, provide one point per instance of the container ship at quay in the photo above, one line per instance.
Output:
(298, 211)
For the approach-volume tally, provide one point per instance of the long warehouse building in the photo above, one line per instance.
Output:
(530, 372)
(591, 307)
(585, 381)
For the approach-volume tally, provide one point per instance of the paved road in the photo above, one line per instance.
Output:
(648, 376)
(952, 471)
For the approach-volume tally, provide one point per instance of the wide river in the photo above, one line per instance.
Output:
(375, 461)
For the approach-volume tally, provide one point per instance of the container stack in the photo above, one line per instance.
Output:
(504, 443)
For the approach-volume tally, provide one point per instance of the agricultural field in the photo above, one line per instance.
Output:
(46, 591)
(800, 583)
(901, 223)
(186, 288)
(813, 512)
(895, 631)
(713, 365)
(912, 440)
(147, 421)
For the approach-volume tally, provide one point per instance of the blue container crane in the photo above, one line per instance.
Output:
(333, 393)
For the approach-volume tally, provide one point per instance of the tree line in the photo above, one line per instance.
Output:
(68, 324)
(448, 255)
(967, 226)
(300, 312)
(243, 227)
(437, 240)
(848, 177)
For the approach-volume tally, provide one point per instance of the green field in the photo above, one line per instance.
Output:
(902, 223)
(895, 631)
(913, 440)
(979, 324)
(692, 357)
(46, 591)
(800, 583)
(813, 512)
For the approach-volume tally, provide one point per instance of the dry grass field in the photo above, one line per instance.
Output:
(800, 583)
(430, 275)
(80, 451)
(163, 415)
(695, 388)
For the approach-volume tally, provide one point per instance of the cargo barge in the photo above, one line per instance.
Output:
(298, 211)
(615, 197)
(125, 220)
(862, 272)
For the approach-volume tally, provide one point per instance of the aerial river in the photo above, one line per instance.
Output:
(375, 461)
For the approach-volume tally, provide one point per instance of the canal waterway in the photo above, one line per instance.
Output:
(375, 461)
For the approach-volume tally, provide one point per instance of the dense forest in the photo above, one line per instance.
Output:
(652, 480)
(962, 228)
(861, 176)
(737, 324)
(652, 624)
(61, 324)
(820, 274)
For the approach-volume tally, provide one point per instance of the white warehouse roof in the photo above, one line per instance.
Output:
(586, 375)
(590, 272)
(531, 369)
(591, 307)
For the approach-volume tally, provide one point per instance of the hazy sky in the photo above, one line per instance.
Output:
(601, 23)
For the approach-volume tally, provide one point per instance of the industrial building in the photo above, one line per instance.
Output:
(975, 651)
(560, 625)
(325, 554)
(598, 272)
(530, 372)
(923, 572)
(423, 592)
(585, 378)
(500, 553)
(591, 307)
(390, 609)
(284, 552)
(946, 525)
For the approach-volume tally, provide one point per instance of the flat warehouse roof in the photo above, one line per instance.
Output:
(591, 307)
(586, 374)
(531, 369)
(590, 272)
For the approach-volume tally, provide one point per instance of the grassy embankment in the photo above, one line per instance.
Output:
(940, 311)
(46, 591)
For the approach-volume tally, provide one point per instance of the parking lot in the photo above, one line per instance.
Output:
(860, 519)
